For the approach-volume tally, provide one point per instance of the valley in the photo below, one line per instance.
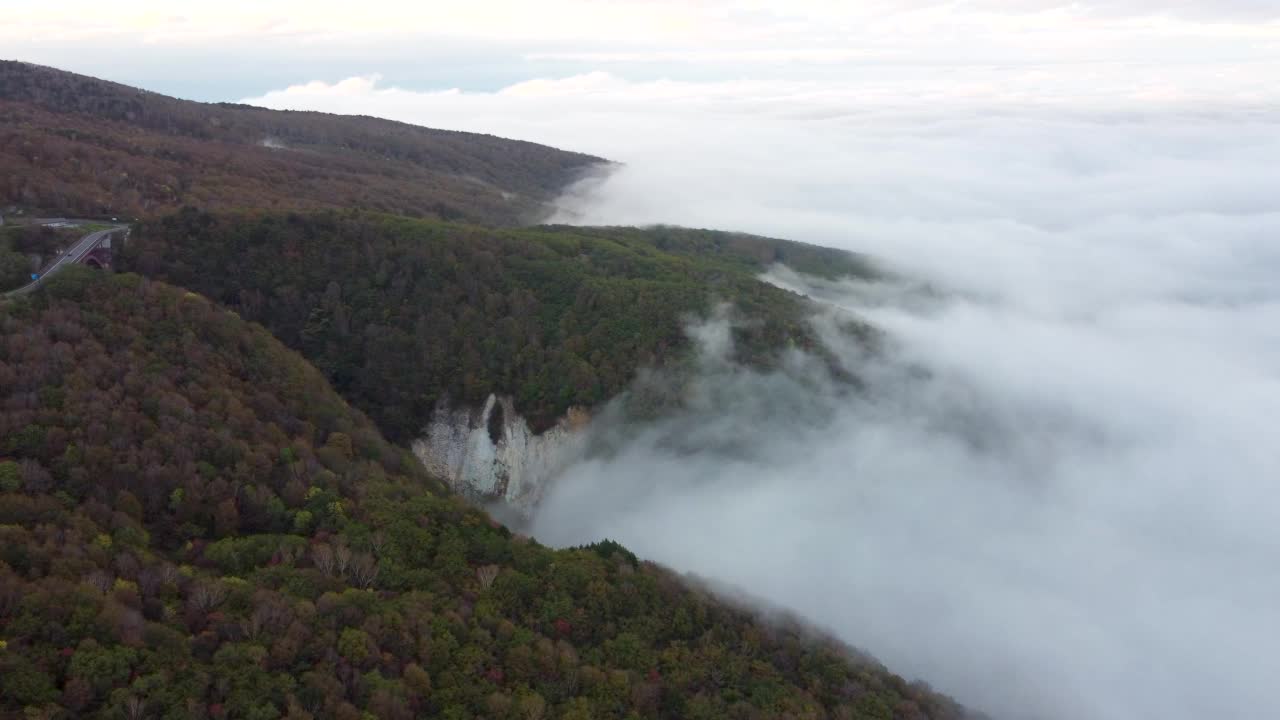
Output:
(200, 513)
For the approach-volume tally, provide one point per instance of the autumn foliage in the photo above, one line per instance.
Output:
(77, 146)
(194, 525)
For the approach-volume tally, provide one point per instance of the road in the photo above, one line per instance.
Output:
(73, 255)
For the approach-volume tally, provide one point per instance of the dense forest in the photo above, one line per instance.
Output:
(193, 524)
(400, 314)
(80, 146)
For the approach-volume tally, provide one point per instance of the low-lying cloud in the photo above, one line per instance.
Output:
(1058, 497)
(1037, 518)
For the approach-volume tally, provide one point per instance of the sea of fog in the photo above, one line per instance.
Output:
(1059, 495)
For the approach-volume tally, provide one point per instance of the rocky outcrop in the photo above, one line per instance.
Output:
(490, 454)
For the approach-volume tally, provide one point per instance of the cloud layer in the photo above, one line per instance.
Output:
(1059, 499)
(1072, 512)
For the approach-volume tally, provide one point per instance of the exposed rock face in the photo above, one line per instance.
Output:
(490, 454)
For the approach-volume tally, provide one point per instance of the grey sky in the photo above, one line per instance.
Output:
(237, 48)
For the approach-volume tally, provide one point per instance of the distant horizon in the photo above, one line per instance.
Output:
(242, 49)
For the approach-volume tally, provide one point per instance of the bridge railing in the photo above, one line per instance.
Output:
(83, 253)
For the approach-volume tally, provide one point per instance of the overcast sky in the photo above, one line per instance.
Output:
(241, 48)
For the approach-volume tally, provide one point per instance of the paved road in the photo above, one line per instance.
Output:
(73, 255)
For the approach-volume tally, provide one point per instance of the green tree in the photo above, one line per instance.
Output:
(25, 683)
(10, 476)
(101, 668)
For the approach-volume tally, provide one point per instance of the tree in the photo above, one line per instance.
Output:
(226, 518)
(101, 668)
(341, 559)
(364, 570)
(26, 683)
(417, 681)
(10, 476)
(205, 595)
(354, 645)
(532, 706)
(322, 557)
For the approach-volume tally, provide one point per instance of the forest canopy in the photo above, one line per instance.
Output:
(400, 314)
(78, 146)
(193, 524)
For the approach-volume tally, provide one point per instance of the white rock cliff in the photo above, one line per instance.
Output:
(490, 454)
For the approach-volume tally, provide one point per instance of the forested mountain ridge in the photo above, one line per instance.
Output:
(194, 525)
(400, 313)
(76, 145)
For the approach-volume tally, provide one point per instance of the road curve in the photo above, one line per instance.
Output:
(73, 255)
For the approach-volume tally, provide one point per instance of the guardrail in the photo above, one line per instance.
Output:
(72, 256)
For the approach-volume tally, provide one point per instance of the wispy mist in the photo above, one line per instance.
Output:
(1059, 496)
(1016, 529)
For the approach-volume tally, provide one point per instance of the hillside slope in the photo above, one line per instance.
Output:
(75, 145)
(401, 313)
(193, 524)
